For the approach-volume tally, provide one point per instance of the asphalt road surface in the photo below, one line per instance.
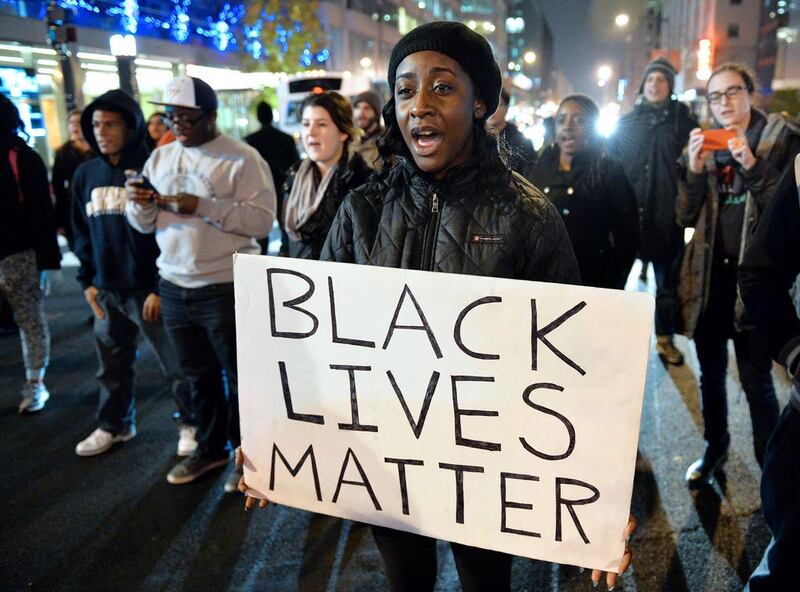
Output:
(112, 522)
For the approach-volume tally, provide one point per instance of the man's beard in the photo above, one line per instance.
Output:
(371, 126)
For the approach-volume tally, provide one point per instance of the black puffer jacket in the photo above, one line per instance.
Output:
(599, 210)
(353, 172)
(406, 220)
(648, 141)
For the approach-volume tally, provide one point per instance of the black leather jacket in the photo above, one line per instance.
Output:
(406, 220)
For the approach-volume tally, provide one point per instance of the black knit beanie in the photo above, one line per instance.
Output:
(460, 43)
(664, 66)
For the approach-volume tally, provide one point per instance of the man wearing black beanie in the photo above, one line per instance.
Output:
(648, 142)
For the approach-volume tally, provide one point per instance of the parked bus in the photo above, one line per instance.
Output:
(293, 90)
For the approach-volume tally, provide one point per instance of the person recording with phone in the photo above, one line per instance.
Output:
(212, 196)
(722, 195)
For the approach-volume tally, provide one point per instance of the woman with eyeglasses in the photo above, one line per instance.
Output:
(591, 192)
(316, 186)
(722, 195)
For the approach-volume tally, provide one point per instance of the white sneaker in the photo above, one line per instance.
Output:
(232, 481)
(34, 396)
(100, 440)
(187, 443)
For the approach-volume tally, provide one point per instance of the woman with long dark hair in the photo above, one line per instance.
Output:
(316, 186)
(27, 245)
(591, 192)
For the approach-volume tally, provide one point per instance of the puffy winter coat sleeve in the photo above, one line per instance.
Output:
(762, 179)
(548, 254)
(692, 193)
(769, 269)
(339, 242)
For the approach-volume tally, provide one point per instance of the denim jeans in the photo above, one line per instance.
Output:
(667, 306)
(116, 338)
(780, 484)
(200, 323)
(755, 374)
(410, 563)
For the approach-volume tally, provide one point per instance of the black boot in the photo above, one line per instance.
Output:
(701, 472)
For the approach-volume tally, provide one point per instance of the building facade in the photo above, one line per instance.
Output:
(778, 55)
(196, 37)
(707, 33)
(530, 47)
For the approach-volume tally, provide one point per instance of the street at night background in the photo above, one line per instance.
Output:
(113, 523)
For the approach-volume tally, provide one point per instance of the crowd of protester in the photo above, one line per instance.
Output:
(155, 208)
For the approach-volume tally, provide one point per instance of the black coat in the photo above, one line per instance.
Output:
(67, 161)
(600, 213)
(315, 229)
(648, 142)
(277, 148)
(27, 219)
(770, 269)
(404, 219)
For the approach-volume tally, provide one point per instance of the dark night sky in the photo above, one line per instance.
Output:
(581, 40)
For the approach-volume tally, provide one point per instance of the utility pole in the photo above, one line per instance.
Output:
(60, 34)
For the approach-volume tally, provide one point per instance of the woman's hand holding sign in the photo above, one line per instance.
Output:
(249, 501)
(624, 563)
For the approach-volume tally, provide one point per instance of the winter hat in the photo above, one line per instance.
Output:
(460, 43)
(372, 99)
(186, 91)
(664, 66)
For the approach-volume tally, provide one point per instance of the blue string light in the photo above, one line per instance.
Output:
(226, 30)
(128, 11)
(221, 30)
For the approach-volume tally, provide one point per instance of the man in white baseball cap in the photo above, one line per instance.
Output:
(205, 197)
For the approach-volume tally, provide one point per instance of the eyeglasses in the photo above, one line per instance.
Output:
(730, 92)
(173, 118)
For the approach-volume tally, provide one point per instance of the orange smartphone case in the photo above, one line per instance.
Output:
(717, 139)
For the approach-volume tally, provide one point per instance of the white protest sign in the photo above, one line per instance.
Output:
(497, 413)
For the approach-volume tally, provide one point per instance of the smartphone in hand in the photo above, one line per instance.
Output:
(717, 139)
(145, 183)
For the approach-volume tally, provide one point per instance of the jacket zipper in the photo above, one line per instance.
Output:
(429, 242)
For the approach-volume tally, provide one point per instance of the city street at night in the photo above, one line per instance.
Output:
(530, 311)
(112, 522)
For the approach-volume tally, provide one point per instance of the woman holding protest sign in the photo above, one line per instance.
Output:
(445, 202)
(316, 186)
(592, 193)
